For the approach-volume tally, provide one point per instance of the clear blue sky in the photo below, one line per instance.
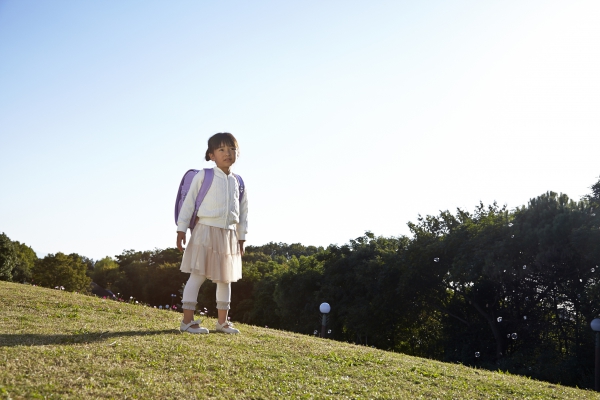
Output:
(351, 116)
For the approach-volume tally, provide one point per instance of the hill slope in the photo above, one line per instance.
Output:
(55, 344)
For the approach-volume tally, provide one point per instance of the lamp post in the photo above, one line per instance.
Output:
(324, 308)
(172, 297)
(595, 324)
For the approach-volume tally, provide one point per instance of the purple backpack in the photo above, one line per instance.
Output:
(184, 188)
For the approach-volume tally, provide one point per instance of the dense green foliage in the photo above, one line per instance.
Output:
(495, 288)
(16, 260)
(8, 258)
(67, 272)
(26, 259)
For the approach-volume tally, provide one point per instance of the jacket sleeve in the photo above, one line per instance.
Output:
(242, 226)
(189, 204)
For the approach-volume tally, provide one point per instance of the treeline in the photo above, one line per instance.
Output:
(494, 288)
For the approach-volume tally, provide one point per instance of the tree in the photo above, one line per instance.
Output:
(360, 282)
(516, 288)
(8, 258)
(89, 265)
(64, 270)
(252, 296)
(26, 259)
(134, 266)
(137, 270)
(594, 197)
(280, 252)
(164, 280)
(302, 277)
(106, 274)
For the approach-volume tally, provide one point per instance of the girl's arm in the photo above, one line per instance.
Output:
(242, 226)
(180, 240)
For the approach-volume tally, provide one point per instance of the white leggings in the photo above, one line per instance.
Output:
(192, 287)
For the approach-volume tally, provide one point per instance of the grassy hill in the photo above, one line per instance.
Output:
(56, 344)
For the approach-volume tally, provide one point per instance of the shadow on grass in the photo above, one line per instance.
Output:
(11, 340)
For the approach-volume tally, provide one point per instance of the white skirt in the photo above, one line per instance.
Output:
(214, 253)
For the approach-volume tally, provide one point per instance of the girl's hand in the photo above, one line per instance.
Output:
(241, 242)
(180, 239)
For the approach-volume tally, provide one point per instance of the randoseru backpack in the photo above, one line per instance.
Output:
(184, 188)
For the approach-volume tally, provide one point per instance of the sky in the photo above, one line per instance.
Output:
(351, 116)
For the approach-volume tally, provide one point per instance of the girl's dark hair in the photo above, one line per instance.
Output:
(219, 139)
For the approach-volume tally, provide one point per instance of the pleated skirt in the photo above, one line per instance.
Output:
(214, 253)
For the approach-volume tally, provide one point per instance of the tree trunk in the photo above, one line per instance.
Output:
(492, 323)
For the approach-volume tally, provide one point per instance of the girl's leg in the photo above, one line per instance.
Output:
(223, 300)
(190, 297)
(222, 316)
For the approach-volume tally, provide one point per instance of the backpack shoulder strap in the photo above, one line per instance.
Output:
(184, 187)
(241, 185)
(206, 182)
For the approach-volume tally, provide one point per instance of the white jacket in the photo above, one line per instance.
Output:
(220, 208)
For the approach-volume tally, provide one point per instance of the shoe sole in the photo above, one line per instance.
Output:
(194, 333)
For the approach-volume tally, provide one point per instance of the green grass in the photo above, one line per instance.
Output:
(56, 344)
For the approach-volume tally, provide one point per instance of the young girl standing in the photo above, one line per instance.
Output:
(216, 246)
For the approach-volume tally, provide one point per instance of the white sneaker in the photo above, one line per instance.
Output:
(227, 327)
(187, 327)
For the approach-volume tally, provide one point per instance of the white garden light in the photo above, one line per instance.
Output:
(324, 308)
(595, 324)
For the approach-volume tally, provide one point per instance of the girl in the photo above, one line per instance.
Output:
(217, 243)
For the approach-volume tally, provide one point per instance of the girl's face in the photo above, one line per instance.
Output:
(224, 156)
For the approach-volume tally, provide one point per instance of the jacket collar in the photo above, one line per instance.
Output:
(221, 173)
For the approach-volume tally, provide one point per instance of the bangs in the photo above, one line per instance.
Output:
(224, 139)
